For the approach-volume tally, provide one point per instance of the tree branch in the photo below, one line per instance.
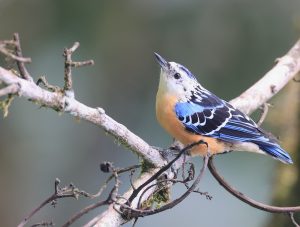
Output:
(271, 83)
(65, 192)
(112, 217)
(21, 64)
(62, 103)
(69, 64)
(246, 199)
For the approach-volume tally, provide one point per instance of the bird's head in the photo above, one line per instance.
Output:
(175, 79)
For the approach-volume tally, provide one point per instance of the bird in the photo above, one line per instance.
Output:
(191, 113)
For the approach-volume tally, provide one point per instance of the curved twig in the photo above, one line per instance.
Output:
(21, 64)
(291, 214)
(264, 113)
(162, 170)
(246, 199)
(141, 213)
(66, 192)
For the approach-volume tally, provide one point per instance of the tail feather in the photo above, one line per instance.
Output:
(275, 151)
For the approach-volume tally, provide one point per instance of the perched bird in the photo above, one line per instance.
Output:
(191, 113)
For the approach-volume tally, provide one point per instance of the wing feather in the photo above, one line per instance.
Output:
(208, 115)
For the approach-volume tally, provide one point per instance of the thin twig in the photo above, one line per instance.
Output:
(291, 214)
(246, 199)
(134, 222)
(162, 170)
(85, 210)
(69, 64)
(162, 187)
(77, 64)
(65, 192)
(159, 183)
(141, 213)
(110, 198)
(8, 42)
(68, 68)
(119, 171)
(130, 179)
(27, 218)
(9, 54)
(264, 113)
(21, 64)
(45, 223)
(42, 80)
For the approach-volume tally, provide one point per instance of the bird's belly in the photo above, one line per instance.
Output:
(167, 118)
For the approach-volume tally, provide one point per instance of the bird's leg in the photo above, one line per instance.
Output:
(169, 154)
(175, 151)
(208, 151)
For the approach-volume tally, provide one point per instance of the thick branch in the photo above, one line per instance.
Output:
(271, 83)
(97, 116)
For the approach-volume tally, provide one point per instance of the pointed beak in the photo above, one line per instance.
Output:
(162, 62)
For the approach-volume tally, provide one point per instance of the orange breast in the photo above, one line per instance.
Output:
(166, 116)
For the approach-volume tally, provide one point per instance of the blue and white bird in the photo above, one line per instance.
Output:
(191, 113)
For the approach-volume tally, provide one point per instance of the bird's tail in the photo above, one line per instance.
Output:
(275, 151)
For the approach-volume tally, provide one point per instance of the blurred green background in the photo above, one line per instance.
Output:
(227, 44)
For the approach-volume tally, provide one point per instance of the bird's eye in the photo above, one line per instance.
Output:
(177, 76)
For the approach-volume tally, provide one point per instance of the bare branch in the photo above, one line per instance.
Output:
(291, 214)
(69, 64)
(42, 80)
(9, 54)
(21, 64)
(141, 213)
(65, 192)
(162, 170)
(265, 110)
(16, 54)
(77, 64)
(45, 223)
(84, 211)
(270, 84)
(244, 198)
(97, 116)
(112, 217)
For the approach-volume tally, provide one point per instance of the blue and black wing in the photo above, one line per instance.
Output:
(208, 115)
